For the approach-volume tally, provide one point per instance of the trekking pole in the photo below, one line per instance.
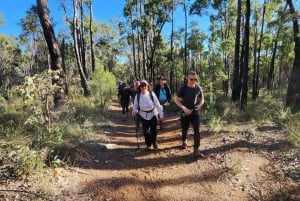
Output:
(137, 137)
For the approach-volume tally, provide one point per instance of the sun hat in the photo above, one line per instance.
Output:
(144, 82)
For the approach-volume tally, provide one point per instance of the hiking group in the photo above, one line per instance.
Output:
(149, 103)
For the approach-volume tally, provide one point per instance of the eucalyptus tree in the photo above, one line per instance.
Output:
(75, 23)
(93, 60)
(222, 22)
(236, 81)
(185, 64)
(78, 46)
(107, 45)
(279, 31)
(131, 9)
(293, 92)
(146, 20)
(245, 57)
(195, 44)
(10, 59)
(31, 39)
(54, 51)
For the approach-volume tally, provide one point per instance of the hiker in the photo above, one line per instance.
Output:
(190, 99)
(147, 106)
(135, 90)
(163, 94)
(124, 97)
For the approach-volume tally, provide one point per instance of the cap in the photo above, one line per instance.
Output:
(161, 78)
(144, 82)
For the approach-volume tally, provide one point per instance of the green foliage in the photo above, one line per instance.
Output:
(236, 168)
(20, 161)
(103, 86)
(215, 124)
(292, 128)
(263, 108)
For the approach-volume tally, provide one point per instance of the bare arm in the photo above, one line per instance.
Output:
(179, 104)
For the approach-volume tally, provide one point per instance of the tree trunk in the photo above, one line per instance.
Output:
(246, 58)
(171, 49)
(254, 87)
(133, 47)
(54, 51)
(270, 78)
(93, 60)
(256, 93)
(236, 89)
(64, 65)
(293, 93)
(83, 78)
(185, 39)
(82, 42)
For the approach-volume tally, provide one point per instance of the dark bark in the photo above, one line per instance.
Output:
(246, 58)
(171, 50)
(236, 89)
(256, 92)
(254, 87)
(64, 65)
(293, 92)
(185, 70)
(54, 51)
(270, 78)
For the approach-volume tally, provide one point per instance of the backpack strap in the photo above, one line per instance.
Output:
(138, 98)
(198, 93)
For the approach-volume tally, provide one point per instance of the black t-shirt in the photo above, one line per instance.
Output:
(190, 96)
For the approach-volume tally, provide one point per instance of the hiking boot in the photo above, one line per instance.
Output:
(155, 145)
(184, 144)
(197, 154)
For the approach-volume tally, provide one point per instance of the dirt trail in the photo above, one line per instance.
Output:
(235, 168)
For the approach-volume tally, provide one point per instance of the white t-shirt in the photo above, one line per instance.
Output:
(148, 108)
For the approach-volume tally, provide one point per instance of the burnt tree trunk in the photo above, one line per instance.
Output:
(246, 58)
(293, 93)
(236, 88)
(54, 51)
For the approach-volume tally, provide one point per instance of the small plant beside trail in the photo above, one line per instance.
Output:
(215, 124)
(35, 134)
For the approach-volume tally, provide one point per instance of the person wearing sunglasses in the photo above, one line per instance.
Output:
(190, 99)
(147, 106)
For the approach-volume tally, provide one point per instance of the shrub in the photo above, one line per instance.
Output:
(215, 124)
(103, 87)
(292, 128)
(20, 161)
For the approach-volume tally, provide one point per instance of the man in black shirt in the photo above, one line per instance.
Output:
(190, 99)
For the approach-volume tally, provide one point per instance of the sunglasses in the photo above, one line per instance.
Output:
(143, 85)
(193, 79)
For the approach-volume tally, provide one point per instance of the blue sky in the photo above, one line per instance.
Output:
(104, 10)
(13, 12)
